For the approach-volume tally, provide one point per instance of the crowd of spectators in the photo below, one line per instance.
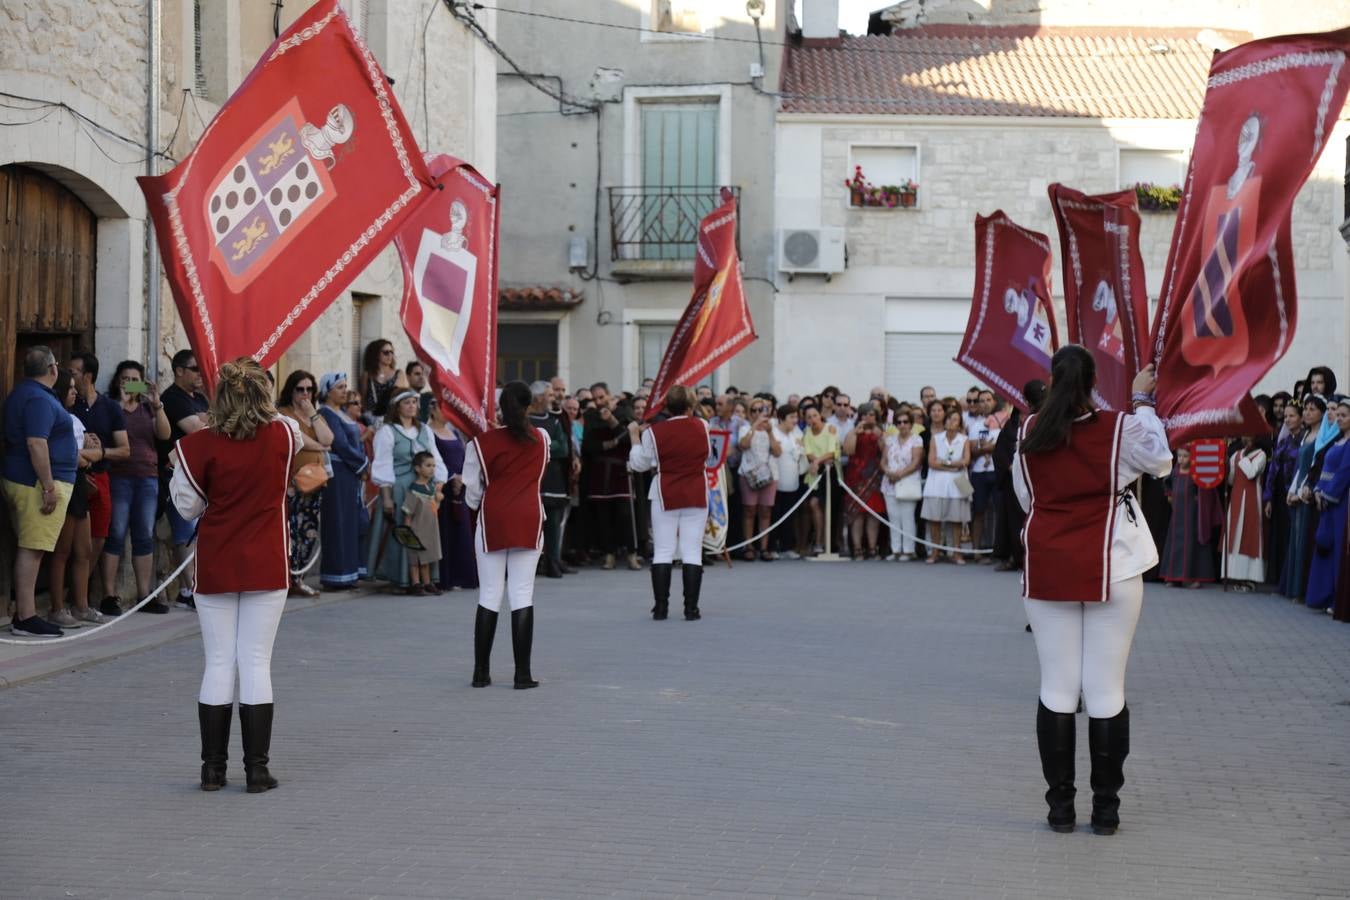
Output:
(377, 493)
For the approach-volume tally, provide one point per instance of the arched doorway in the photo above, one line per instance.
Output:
(48, 258)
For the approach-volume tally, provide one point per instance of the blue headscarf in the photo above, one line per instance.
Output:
(1330, 430)
(328, 380)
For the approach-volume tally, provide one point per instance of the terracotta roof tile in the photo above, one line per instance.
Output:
(959, 70)
(538, 297)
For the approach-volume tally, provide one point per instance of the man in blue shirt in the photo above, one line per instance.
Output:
(39, 474)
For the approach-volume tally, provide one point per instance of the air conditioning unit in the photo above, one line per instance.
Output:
(816, 251)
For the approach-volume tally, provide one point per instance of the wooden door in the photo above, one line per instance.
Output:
(47, 264)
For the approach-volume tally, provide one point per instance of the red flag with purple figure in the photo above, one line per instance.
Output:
(1105, 300)
(449, 252)
(716, 323)
(1011, 333)
(1228, 308)
(298, 183)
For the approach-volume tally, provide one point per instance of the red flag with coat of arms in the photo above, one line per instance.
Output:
(449, 252)
(300, 180)
(716, 323)
(1228, 307)
(1010, 335)
(1105, 299)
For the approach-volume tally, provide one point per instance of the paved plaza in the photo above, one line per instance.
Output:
(827, 730)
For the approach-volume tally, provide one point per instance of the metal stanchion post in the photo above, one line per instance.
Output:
(829, 555)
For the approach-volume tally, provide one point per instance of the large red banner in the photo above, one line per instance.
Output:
(301, 179)
(716, 323)
(1011, 333)
(1105, 300)
(449, 252)
(1228, 307)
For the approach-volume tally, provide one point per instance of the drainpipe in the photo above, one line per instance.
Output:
(151, 168)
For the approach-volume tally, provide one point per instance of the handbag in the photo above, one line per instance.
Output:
(963, 485)
(310, 477)
(909, 488)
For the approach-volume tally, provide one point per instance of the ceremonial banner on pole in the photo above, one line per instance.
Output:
(1011, 333)
(449, 254)
(301, 179)
(715, 475)
(1105, 300)
(1228, 308)
(716, 323)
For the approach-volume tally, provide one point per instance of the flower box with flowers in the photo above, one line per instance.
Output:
(865, 195)
(1157, 197)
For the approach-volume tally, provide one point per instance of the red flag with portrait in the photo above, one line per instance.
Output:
(300, 180)
(1228, 308)
(716, 323)
(449, 252)
(1105, 300)
(1011, 333)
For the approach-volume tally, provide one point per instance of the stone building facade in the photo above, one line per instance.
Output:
(77, 92)
(899, 308)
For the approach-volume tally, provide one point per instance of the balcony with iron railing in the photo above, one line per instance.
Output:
(653, 231)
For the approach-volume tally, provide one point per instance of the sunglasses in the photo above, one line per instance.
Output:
(304, 389)
(387, 352)
(193, 368)
(903, 422)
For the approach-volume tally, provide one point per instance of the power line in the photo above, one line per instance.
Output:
(86, 123)
(696, 36)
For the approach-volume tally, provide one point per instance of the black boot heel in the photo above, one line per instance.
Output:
(661, 590)
(1108, 745)
(255, 727)
(484, 629)
(1055, 737)
(214, 722)
(693, 585)
(522, 641)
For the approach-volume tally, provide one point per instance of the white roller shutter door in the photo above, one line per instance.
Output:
(915, 359)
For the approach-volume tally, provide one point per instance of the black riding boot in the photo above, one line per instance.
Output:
(661, 589)
(484, 630)
(255, 727)
(693, 583)
(522, 640)
(1055, 734)
(214, 722)
(1108, 745)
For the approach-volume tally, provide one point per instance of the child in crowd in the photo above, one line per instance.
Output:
(1188, 555)
(420, 507)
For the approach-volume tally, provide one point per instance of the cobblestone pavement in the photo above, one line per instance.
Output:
(846, 730)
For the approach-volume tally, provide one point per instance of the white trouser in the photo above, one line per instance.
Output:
(900, 514)
(509, 572)
(1084, 647)
(678, 526)
(237, 634)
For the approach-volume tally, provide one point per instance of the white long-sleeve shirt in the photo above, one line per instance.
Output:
(1143, 451)
(184, 496)
(382, 468)
(642, 458)
(475, 482)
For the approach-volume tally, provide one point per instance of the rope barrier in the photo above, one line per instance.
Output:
(781, 519)
(126, 614)
(887, 523)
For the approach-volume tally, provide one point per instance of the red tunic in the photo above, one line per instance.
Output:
(243, 541)
(681, 455)
(1070, 524)
(511, 514)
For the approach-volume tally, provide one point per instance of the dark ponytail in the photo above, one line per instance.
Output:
(515, 406)
(1072, 376)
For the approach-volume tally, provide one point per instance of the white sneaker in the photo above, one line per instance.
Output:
(92, 616)
(63, 619)
(791, 554)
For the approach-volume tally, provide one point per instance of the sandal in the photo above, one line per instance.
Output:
(932, 559)
(749, 554)
(959, 559)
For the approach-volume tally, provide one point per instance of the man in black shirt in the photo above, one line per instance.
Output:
(185, 406)
(553, 488)
(103, 417)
